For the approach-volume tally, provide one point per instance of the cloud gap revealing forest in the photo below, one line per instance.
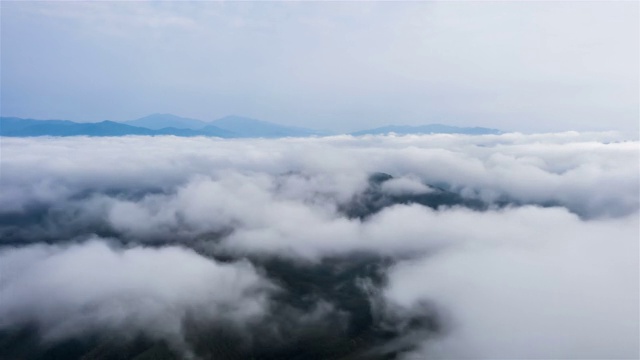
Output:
(376, 247)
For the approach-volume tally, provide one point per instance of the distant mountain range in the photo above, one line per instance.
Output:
(226, 127)
(17, 127)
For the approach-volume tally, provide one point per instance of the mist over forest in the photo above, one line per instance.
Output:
(373, 247)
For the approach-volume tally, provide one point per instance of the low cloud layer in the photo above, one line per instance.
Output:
(74, 290)
(438, 246)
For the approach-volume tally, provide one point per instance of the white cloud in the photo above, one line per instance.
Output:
(552, 274)
(405, 185)
(591, 174)
(88, 288)
(561, 288)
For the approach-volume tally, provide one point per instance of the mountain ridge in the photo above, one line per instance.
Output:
(231, 126)
(17, 127)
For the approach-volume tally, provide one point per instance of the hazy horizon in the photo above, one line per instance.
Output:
(530, 67)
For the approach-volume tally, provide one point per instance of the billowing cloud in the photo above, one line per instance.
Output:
(74, 290)
(552, 286)
(441, 245)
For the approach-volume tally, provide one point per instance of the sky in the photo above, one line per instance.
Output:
(342, 66)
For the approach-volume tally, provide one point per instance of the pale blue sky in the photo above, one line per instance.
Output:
(341, 65)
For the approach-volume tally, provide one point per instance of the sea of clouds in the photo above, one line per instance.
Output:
(157, 236)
